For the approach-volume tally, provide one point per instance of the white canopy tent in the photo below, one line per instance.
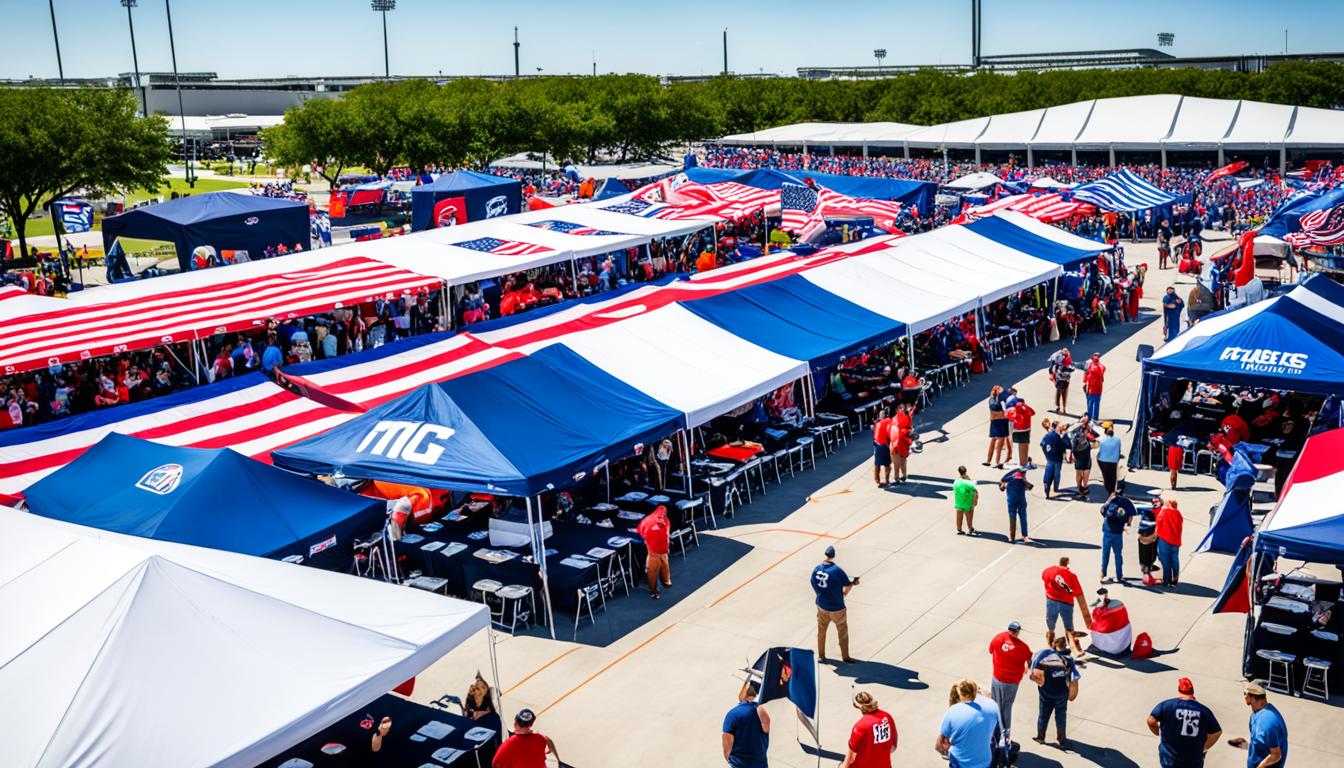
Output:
(1259, 125)
(1314, 127)
(959, 135)
(1010, 130)
(1061, 126)
(973, 181)
(1201, 123)
(119, 650)
(593, 215)
(1132, 122)
(919, 299)
(956, 253)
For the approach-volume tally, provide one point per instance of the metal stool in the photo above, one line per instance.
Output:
(1317, 681)
(587, 596)
(691, 507)
(1280, 670)
(687, 531)
(489, 588)
(511, 606)
(768, 462)
(807, 444)
(782, 455)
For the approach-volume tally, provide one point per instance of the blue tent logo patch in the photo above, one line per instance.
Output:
(496, 206)
(161, 480)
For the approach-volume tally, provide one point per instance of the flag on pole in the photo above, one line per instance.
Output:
(790, 673)
(800, 210)
(74, 215)
(1235, 596)
(1225, 171)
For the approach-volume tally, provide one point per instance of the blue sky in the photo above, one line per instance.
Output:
(263, 38)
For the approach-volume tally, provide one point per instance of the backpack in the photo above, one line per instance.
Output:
(1143, 644)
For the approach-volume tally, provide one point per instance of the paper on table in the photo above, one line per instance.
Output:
(600, 552)
(433, 546)
(435, 729)
(479, 734)
(412, 538)
(447, 754)
(453, 548)
(296, 762)
(575, 563)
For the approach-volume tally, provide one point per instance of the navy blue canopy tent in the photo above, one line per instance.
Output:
(484, 195)
(1288, 217)
(520, 428)
(1021, 239)
(1125, 191)
(213, 498)
(223, 220)
(612, 187)
(906, 191)
(1293, 342)
(796, 318)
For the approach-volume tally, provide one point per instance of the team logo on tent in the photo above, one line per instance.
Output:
(406, 440)
(1266, 360)
(496, 206)
(161, 480)
(250, 220)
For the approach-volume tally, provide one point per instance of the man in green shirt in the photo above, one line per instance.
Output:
(964, 498)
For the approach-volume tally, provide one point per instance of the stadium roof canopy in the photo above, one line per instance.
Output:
(1160, 121)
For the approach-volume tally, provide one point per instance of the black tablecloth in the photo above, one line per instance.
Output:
(1197, 429)
(398, 750)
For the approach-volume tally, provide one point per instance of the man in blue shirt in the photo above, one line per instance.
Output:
(746, 730)
(1269, 733)
(1187, 729)
(1015, 486)
(967, 732)
(831, 585)
(1054, 445)
(1171, 314)
(1116, 513)
(1054, 670)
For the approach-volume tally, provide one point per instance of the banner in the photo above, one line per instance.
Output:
(790, 673)
(336, 208)
(450, 211)
(74, 215)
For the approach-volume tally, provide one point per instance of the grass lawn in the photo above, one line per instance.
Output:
(43, 226)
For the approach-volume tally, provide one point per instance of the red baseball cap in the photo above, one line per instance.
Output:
(1185, 686)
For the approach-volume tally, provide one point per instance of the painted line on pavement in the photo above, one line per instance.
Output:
(599, 672)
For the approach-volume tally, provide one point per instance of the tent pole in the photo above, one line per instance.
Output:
(809, 395)
(910, 344)
(539, 554)
(606, 468)
(1054, 297)
(574, 273)
(445, 305)
(494, 668)
(686, 460)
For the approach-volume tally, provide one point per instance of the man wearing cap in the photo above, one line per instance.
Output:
(1116, 513)
(1011, 656)
(831, 584)
(1056, 674)
(746, 730)
(1015, 486)
(1019, 419)
(1093, 377)
(872, 740)
(525, 748)
(1269, 733)
(1187, 729)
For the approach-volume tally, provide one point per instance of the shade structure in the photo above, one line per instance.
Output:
(1013, 129)
(129, 651)
(1042, 241)
(956, 254)
(959, 135)
(483, 196)
(1061, 125)
(596, 216)
(1201, 123)
(906, 191)
(209, 498)
(1308, 523)
(223, 220)
(972, 181)
(1123, 191)
(520, 428)
(1130, 122)
(795, 318)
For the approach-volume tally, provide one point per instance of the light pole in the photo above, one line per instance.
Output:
(383, 6)
(879, 54)
(725, 51)
(60, 68)
(177, 81)
(135, 58)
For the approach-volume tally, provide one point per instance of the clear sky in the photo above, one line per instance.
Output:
(267, 38)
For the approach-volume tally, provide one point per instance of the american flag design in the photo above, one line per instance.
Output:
(800, 210)
(571, 228)
(503, 247)
(1323, 227)
(1046, 208)
(632, 207)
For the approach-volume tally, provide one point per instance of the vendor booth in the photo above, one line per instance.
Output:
(120, 650)
(209, 498)
(237, 227)
(462, 196)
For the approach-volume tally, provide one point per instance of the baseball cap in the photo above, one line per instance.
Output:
(1014, 626)
(525, 717)
(1185, 686)
(830, 551)
(1254, 689)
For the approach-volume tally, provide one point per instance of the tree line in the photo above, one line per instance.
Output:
(472, 122)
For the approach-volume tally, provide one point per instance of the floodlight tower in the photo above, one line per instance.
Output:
(879, 54)
(60, 68)
(383, 6)
(1166, 39)
(177, 82)
(517, 69)
(135, 58)
(975, 34)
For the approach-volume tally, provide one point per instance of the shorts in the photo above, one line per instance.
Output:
(1082, 463)
(1061, 383)
(881, 455)
(998, 428)
(1175, 457)
(1023, 437)
(1055, 610)
(902, 448)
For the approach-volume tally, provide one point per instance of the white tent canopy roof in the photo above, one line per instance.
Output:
(977, 180)
(1013, 129)
(1313, 127)
(119, 650)
(960, 134)
(825, 133)
(1130, 122)
(1201, 123)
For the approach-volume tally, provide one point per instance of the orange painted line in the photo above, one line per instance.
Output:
(832, 493)
(539, 670)
(599, 672)
(874, 520)
(766, 570)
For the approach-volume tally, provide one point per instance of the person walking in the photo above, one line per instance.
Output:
(1170, 522)
(998, 429)
(967, 733)
(1148, 538)
(654, 529)
(882, 449)
(1011, 656)
(525, 748)
(1186, 729)
(1015, 487)
(1062, 591)
(1054, 446)
(746, 730)
(1268, 745)
(1019, 416)
(1116, 513)
(1081, 443)
(1056, 675)
(831, 584)
(902, 436)
(1108, 457)
(1061, 370)
(1094, 376)
(872, 740)
(1172, 306)
(964, 498)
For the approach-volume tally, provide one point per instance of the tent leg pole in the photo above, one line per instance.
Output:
(574, 274)
(494, 668)
(1054, 297)
(539, 554)
(606, 468)
(910, 344)
(686, 461)
(445, 306)
(809, 396)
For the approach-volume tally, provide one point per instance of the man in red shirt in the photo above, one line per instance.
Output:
(873, 738)
(902, 436)
(1011, 657)
(1019, 419)
(882, 449)
(1062, 590)
(1170, 523)
(654, 529)
(1093, 376)
(525, 748)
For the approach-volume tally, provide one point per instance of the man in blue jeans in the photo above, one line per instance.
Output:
(1054, 445)
(1054, 670)
(1116, 513)
(1015, 486)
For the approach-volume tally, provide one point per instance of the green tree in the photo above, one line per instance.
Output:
(56, 141)
(319, 132)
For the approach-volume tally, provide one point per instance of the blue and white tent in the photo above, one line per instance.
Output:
(1307, 523)
(1123, 191)
(213, 498)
